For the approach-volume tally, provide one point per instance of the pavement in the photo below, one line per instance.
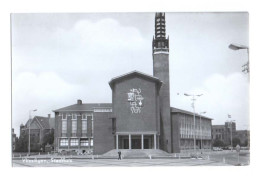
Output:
(220, 158)
(115, 163)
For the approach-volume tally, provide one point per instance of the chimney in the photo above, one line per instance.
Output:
(49, 116)
(79, 102)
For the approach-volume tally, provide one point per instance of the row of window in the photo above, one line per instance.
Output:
(160, 27)
(158, 19)
(74, 118)
(190, 136)
(160, 35)
(197, 133)
(160, 24)
(76, 141)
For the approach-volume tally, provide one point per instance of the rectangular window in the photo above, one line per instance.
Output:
(74, 125)
(92, 125)
(91, 142)
(84, 125)
(64, 127)
(83, 142)
(74, 142)
(64, 142)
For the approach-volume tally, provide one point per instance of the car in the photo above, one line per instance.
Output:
(217, 149)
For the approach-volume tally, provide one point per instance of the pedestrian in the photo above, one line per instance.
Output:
(119, 155)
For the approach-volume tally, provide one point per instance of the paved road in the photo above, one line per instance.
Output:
(231, 157)
(114, 162)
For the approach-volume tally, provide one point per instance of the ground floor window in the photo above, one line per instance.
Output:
(64, 142)
(91, 142)
(74, 142)
(83, 142)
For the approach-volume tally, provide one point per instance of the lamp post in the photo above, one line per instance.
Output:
(239, 47)
(193, 106)
(201, 129)
(29, 145)
(231, 126)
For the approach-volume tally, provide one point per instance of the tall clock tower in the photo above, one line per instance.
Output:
(161, 71)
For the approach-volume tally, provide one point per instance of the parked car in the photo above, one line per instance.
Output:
(217, 149)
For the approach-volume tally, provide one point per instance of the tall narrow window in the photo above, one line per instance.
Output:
(64, 126)
(91, 142)
(84, 125)
(92, 126)
(74, 125)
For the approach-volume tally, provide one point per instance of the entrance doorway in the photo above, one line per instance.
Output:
(136, 142)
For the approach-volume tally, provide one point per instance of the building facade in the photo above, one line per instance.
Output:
(186, 131)
(14, 140)
(39, 128)
(74, 126)
(223, 133)
(139, 117)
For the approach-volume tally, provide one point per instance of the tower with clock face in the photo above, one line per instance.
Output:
(161, 70)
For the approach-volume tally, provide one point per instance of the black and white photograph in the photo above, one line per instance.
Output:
(124, 89)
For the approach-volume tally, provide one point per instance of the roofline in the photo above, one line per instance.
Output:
(72, 110)
(134, 72)
(59, 110)
(190, 113)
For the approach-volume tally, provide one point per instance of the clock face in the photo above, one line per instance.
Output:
(135, 100)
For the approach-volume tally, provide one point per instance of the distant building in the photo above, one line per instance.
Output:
(39, 128)
(223, 133)
(14, 140)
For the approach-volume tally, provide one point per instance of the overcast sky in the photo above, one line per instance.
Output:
(59, 58)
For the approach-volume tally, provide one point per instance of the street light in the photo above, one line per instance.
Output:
(231, 126)
(201, 129)
(29, 145)
(193, 106)
(239, 47)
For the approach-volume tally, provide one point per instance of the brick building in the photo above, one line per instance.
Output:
(223, 133)
(39, 128)
(14, 140)
(139, 117)
(74, 126)
(185, 136)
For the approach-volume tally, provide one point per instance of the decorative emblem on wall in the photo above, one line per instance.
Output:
(135, 99)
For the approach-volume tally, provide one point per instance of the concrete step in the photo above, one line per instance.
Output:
(137, 153)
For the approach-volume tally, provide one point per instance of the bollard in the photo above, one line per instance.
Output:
(20, 156)
(39, 153)
(150, 156)
(224, 160)
(92, 157)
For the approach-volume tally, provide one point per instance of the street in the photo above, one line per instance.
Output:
(119, 163)
(231, 157)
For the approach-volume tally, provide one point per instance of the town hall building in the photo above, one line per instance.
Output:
(140, 116)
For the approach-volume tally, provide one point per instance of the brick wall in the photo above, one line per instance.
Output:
(103, 137)
(161, 71)
(147, 119)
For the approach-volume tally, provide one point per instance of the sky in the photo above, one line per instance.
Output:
(59, 58)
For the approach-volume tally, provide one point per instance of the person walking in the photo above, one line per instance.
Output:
(119, 155)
